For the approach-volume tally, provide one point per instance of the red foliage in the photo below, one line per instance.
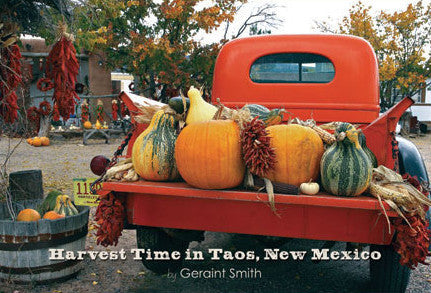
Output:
(110, 217)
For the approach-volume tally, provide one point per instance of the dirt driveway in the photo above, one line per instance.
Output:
(65, 160)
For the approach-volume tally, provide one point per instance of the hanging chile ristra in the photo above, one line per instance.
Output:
(10, 75)
(110, 215)
(258, 154)
(63, 67)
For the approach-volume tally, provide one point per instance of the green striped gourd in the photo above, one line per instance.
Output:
(64, 206)
(270, 117)
(153, 151)
(370, 154)
(345, 168)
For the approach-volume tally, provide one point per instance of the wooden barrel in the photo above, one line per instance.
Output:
(24, 246)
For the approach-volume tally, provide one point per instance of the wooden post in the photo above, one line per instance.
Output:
(26, 185)
(45, 125)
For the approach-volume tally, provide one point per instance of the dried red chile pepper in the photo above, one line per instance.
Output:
(412, 244)
(63, 67)
(10, 77)
(259, 156)
(110, 216)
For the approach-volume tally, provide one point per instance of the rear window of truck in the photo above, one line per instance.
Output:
(292, 68)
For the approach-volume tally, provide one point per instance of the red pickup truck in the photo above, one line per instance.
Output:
(323, 77)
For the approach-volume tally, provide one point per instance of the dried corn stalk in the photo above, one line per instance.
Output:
(387, 185)
(122, 171)
(334, 125)
(326, 137)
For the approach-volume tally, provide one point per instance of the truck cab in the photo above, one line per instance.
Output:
(321, 77)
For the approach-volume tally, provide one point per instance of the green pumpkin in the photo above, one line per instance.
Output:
(153, 151)
(270, 117)
(176, 103)
(370, 154)
(345, 168)
(49, 202)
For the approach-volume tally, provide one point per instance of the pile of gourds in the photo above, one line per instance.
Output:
(38, 141)
(209, 153)
(55, 206)
(221, 148)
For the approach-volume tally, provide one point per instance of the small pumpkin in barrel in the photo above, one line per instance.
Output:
(51, 215)
(28, 215)
(208, 154)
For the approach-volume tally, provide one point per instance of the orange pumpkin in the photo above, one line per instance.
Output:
(44, 141)
(30, 141)
(28, 215)
(208, 154)
(87, 125)
(51, 215)
(37, 142)
(298, 151)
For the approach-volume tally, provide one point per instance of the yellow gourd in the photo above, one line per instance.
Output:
(64, 206)
(98, 125)
(200, 110)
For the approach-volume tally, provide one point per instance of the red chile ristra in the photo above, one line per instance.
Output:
(259, 156)
(10, 78)
(62, 67)
(110, 217)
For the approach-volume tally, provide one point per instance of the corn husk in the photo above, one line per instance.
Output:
(326, 137)
(388, 186)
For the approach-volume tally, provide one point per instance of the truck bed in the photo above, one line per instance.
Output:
(321, 216)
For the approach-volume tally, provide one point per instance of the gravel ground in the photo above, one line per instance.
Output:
(68, 159)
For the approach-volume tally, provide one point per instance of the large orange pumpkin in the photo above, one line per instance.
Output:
(44, 141)
(208, 154)
(28, 215)
(37, 142)
(298, 151)
(51, 215)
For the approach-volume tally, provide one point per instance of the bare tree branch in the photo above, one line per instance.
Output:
(264, 15)
(324, 27)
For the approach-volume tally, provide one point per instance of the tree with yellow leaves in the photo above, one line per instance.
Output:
(401, 41)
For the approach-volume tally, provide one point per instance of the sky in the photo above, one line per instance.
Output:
(298, 16)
